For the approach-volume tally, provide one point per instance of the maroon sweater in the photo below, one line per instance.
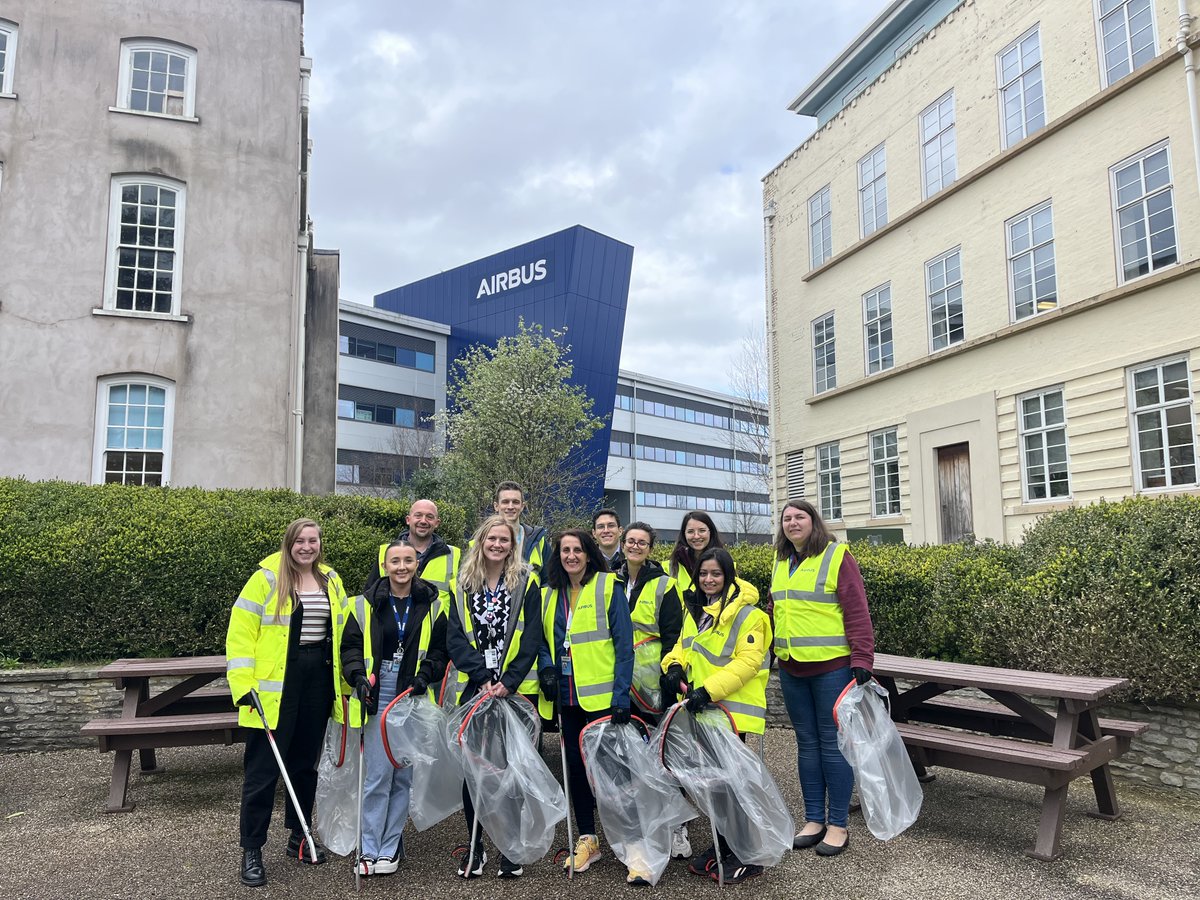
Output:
(860, 633)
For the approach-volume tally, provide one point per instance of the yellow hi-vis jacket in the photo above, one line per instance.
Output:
(808, 617)
(256, 645)
(729, 658)
(593, 656)
(517, 626)
(441, 571)
(645, 613)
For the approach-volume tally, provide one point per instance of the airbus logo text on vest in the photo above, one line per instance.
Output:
(513, 278)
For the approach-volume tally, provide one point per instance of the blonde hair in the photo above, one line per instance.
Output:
(289, 572)
(472, 574)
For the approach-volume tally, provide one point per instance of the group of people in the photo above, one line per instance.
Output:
(555, 620)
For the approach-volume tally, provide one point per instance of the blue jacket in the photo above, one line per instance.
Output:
(621, 627)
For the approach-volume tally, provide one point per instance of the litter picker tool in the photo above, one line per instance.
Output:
(287, 782)
(562, 746)
(362, 748)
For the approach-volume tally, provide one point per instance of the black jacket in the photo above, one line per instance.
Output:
(670, 613)
(437, 547)
(469, 660)
(384, 631)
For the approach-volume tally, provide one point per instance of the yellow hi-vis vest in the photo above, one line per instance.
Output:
(361, 609)
(441, 571)
(808, 618)
(516, 633)
(711, 650)
(649, 603)
(256, 645)
(593, 657)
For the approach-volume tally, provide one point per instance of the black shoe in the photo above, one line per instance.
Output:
(704, 863)
(254, 873)
(477, 863)
(509, 869)
(804, 841)
(297, 848)
(824, 849)
(735, 871)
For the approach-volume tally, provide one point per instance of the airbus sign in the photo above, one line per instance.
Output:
(513, 278)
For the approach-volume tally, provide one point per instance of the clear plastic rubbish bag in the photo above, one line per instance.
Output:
(447, 695)
(646, 691)
(727, 781)
(336, 806)
(414, 731)
(638, 800)
(517, 800)
(887, 785)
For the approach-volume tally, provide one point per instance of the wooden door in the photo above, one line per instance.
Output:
(954, 492)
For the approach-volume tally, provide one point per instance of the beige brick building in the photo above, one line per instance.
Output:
(982, 265)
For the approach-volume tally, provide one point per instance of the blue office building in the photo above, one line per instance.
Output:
(577, 280)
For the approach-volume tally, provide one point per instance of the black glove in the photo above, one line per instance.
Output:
(697, 699)
(619, 715)
(673, 684)
(548, 679)
(362, 688)
(861, 676)
(419, 686)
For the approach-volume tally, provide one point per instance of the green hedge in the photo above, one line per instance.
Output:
(98, 572)
(1110, 589)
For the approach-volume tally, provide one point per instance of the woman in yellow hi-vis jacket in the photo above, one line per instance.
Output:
(724, 658)
(283, 642)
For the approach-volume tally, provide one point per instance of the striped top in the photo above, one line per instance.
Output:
(315, 623)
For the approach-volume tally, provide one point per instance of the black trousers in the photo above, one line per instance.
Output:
(574, 718)
(303, 716)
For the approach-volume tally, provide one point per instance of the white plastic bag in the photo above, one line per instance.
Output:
(336, 806)
(887, 785)
(638, 800)
(727, 781)
(414, 735)
(646, 691)
(517, 800)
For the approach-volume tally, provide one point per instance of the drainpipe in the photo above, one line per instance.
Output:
(768, 236)
(1189, 67)
(302, 242)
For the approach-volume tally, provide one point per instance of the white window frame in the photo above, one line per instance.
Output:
(877, 188)
(829, 382)
(829, 481)
(1041, 433)
(1162, 406)
(11, 31)
(100, 441)
(1019, 82)
(114, 244)
(1139, 159)
(820, 227)
(941, 258)
(129, 46)
(944, 182)
(877, 321)
(1012, 258)
(1102, 59)
(883, 462)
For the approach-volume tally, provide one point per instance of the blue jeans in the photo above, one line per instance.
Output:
(386, 789)
(824, 773)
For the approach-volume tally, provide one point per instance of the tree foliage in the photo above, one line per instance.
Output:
(513, 415)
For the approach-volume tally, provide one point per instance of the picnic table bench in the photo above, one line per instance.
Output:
(184, 715)
(1009, 736)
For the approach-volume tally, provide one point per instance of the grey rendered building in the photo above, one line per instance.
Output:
(161, 310)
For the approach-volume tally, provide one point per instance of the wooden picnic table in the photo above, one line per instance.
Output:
(184, 714)
(1020, 740)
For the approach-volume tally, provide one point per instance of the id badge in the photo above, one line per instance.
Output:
(491, 659)
(566, 664)
(386, 666)
(398, 658)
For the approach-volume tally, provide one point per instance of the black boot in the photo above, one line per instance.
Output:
(297, 848)
(254, 874)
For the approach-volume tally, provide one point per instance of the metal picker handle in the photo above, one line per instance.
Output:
(287, 782)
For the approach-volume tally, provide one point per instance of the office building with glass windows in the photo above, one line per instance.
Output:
(982, 268)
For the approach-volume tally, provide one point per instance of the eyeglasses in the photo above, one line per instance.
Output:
(640, 545)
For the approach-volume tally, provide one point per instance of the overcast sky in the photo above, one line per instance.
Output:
(445, 132)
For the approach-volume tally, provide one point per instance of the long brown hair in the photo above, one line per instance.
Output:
(290, 573)
(682, 555)
(817, 541)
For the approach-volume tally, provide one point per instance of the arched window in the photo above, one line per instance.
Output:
(135, 415)
(145, 244)
(157, 77)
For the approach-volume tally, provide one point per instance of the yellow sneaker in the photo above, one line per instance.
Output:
(587, 851)
(638, 877)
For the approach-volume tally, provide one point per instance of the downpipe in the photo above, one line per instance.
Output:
(1189, 70)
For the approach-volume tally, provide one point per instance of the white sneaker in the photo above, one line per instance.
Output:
(366, 866)
(681, 847)
(386, 865)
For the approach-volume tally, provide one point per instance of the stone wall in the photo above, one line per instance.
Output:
(43, 709)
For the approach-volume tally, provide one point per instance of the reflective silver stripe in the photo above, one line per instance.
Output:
(725, 657)
(341, 619)
(818, 596)
(249, 606)
(602, 632)
(745, 709)
(284, 621)
(594, 690)
(272, 687)
(360, 612)
(687, 641)
(827, 640)
(270, 576)
(646, 629)
(714, 658)
(659, 590)
(239, 662)
(421, 654)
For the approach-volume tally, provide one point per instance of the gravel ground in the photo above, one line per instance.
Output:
(181, 842)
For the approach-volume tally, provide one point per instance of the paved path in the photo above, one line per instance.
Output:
(181, 842)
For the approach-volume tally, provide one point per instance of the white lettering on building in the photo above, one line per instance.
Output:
(513, 278)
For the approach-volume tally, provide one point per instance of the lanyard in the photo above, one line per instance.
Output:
(401, 623)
